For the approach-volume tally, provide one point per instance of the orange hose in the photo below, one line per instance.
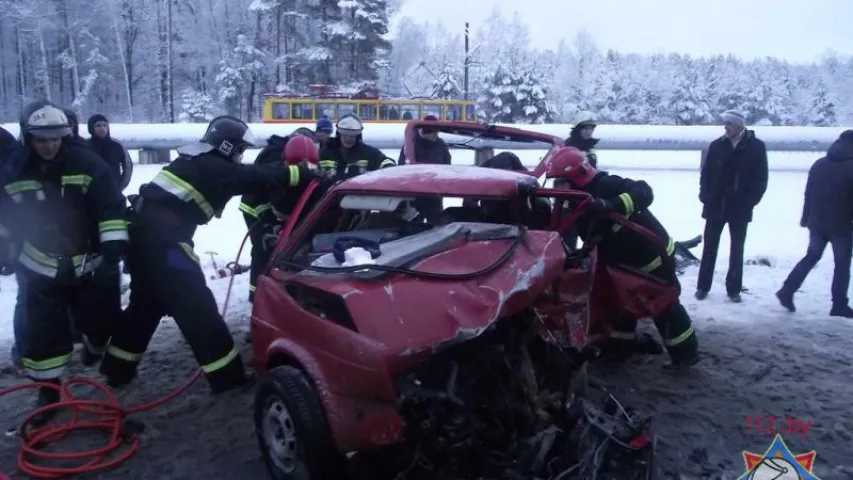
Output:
(105, 415)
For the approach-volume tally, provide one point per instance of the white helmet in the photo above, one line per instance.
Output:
(586, 118)
(43, 119)
(350, 125)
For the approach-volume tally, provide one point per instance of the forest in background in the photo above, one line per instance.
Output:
(189, 60)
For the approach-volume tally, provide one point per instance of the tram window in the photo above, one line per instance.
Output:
(345, 109)
(454, 112)
(281, 111)
(303, 111)
(389, 112)
(327, 110)
(470, 114)
(367, 111)
(433, 109)
(410, 112)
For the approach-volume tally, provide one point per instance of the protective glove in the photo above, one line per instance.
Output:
(269, 241)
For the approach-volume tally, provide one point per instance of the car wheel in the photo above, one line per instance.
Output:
(292, 429)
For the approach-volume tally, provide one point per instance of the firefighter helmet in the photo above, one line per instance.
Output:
(44, 119)
(570, 164)
(585, 119)
(301, 149)
(228, 136)
(350, 125)
(305, 132)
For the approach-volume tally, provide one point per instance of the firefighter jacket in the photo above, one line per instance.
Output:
(255, 205)
(190, 191)
(630, 198)
(349, 162)
(66, 216)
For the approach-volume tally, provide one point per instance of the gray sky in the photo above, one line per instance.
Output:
(797, 30)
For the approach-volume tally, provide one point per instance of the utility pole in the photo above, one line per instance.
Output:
(467, 58)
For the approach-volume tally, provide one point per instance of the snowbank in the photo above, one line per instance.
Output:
(614, 137)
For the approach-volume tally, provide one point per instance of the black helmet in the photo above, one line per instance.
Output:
(43, 118)
(226, 135)
(305, 132)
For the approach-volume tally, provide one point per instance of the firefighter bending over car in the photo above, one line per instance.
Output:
(300, 151)
(259, 217)
(346, 155)
(631, 198)
(63, 211)
(166, 278)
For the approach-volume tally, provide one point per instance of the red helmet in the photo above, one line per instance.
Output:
(301, 149)
(570, 164)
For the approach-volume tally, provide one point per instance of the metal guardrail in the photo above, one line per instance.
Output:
(154, 136)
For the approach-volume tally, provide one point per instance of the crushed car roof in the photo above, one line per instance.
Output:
(448, 180)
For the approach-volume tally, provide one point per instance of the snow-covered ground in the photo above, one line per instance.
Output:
(759, 360)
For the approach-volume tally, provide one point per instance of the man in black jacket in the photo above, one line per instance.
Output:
(733, 180)
(429, 148)
(110, 150)
(828, 214)
(166, 276)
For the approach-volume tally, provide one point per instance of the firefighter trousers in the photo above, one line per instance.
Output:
(94, 301)
(260, 257)
(166, 279)
(673, 324)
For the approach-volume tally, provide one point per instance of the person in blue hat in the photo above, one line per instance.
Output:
(323, 131)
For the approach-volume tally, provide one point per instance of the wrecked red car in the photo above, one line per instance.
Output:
(428, 321)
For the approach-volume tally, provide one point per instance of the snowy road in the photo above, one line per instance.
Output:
(758, 361)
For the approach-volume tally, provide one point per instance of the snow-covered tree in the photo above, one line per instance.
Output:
(196, 107)
(513, 97)
(446, 86)
(823, 110)
(239, 73)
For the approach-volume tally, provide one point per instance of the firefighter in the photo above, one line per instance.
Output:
(166, 278)
(346, 155)
(256, 207)
(65, 214)
(631, 198)
(300, 151)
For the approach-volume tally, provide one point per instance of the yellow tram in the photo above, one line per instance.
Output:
(366, 103)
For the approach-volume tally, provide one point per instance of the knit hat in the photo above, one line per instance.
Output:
(734, 117)
(93, 120)
(430, 118)
(325, 125)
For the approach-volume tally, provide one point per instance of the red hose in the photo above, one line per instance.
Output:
(106, 416)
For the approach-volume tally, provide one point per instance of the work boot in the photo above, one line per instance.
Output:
(91, 353)
(701, 294)
(843, 311)
(247, 380)
(647, 345)
(46, 396)
(735, 298)
(786, 299)
(679, 364)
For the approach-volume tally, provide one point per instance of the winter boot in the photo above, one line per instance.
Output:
(843, 311)
(679, 364)
(786, 299)
(735, 298)
(46, 396)
(701, 294)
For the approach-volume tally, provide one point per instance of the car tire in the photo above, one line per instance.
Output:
(292, 430)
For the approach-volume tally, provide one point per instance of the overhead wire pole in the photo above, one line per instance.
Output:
(467, 58)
